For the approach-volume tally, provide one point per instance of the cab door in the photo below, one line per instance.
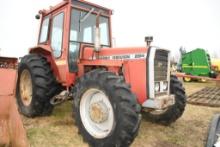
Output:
(58, 37)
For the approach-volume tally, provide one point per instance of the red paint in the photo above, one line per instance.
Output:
(135, 75)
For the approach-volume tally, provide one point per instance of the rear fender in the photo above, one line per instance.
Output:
(41, 49)
(46, 52)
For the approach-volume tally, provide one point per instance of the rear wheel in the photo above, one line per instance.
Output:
(36, 85)
(106, 111)
(25, 87)
(172, 113)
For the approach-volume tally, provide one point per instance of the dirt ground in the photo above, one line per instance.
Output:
(190, 130)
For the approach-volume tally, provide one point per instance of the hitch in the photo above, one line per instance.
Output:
(60, 98)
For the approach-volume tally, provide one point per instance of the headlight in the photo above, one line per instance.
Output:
(157, 87)
(165, 85)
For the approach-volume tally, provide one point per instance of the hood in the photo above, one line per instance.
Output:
(129, 53)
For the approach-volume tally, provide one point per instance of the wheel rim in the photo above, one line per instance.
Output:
(187, 79)
(96, 113)
(26, 87)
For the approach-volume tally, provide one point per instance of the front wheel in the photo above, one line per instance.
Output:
(172, 113)
(106, 111)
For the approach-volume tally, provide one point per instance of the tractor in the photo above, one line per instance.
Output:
(110, 87)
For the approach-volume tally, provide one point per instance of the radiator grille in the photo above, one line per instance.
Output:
(161, 65)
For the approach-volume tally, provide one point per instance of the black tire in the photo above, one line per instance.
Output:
(214, 129)
(125, 107)
(44, 86)
(175, 111)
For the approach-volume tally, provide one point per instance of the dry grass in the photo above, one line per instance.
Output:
(190, 130)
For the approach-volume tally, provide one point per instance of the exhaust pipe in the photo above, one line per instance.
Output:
(97, 34)
(149, 40)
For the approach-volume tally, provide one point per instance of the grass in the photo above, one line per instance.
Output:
(57, 130)
(190, 130)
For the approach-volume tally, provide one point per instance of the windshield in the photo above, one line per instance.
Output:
(83, 25)
(84, 31)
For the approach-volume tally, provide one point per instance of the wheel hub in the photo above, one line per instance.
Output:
(26, 87)
(98, 112)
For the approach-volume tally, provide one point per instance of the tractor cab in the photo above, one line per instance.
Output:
(69, 27)
(91, 28)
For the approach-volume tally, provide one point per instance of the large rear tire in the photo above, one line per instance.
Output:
(175, 111)
(106, 111)
(35, 86)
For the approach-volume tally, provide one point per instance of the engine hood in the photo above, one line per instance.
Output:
(130, 53)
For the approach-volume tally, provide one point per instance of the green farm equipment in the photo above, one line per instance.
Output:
(196, 63)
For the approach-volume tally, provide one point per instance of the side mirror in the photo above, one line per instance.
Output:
(37, 16)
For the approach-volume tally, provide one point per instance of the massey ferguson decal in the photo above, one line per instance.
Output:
(124, 57)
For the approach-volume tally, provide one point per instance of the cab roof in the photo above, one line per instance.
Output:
(79, 3)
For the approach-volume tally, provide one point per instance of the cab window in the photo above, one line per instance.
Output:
(44, 30)
(57, 35)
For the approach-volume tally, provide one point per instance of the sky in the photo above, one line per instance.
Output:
(173, 23)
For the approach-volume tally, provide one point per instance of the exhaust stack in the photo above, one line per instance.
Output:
(149, 40)
(97, 34)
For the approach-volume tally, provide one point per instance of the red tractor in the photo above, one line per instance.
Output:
(109, 86)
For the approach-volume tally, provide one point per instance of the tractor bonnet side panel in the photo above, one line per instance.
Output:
(135, 75)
